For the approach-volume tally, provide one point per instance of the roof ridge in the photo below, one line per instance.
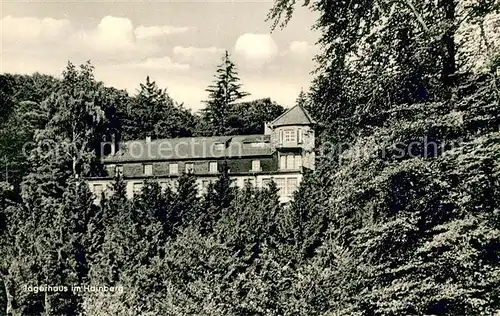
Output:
(301, 108)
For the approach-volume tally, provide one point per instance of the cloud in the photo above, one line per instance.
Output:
(124, 54)
(198, 56)
(27, 29)
(111, 35)
(300, 49)
(113, 39)
(161, 63)
(256, 49)
(148, 32)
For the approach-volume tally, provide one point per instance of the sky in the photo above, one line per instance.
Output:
(177, 43)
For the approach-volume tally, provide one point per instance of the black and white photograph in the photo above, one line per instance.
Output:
(249, 157)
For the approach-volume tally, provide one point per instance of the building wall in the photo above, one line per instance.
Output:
(306, 146)
(285, 193)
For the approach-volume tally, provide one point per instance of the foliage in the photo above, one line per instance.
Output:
(225, 90)
(152, 112)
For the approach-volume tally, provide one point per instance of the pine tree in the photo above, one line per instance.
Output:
(223, 93)
(152, 112)
(302, 99)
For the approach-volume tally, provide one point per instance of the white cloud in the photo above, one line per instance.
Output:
(20, 30)
(147, 32)
(113, 40)
(111, 35)
(198, 56)
(256, 49)
(300, 50)
(161, 63)
(124, 54)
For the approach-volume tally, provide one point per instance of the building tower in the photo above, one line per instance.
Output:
(292, 136)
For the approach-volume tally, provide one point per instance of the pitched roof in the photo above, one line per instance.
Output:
(297, 115)
(192, 148)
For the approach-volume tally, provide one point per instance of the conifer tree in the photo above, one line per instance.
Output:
(152, 112)
(223, 93)
(301, 99)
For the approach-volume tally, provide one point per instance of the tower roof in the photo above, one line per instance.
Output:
(296, 115)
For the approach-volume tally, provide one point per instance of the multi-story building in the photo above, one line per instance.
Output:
(281, 154)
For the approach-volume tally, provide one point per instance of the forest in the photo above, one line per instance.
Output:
(405, 220)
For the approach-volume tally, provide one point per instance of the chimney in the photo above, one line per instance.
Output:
(148, 139)
(113, 145)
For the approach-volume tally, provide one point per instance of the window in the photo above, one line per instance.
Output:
(289, 135)
(204, 184)
(189, 167)
(212, 166)
(164, 185)
(300, 136)
(291, 185)
(255, 165)
(148, 169)
(298, 161)
(174, 185)
(137, 187)
(250, 181)
(280, 183)
(119, 170)
(173, 168)
(290, 162)
(282, 162)
(266, 182)
(98, 189)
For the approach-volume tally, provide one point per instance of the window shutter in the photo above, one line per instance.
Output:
(281, 136)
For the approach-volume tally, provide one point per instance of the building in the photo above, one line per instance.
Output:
(281, 154)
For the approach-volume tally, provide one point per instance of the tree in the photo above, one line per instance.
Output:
(185, 209)
(246, 118)
(152, 112)
(222, 94)
(216, 200)
(406, 231)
